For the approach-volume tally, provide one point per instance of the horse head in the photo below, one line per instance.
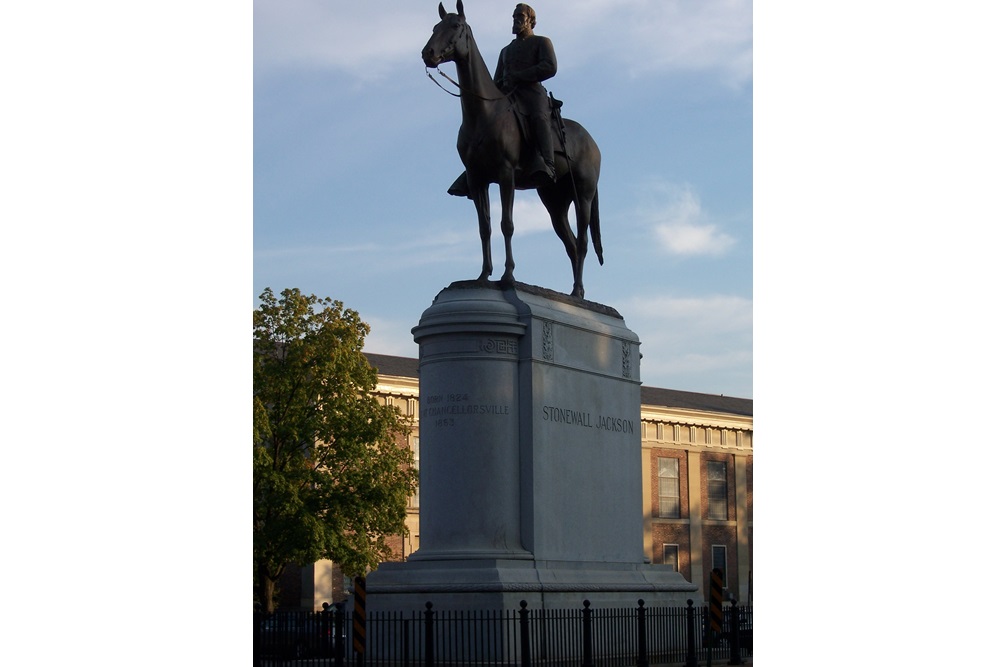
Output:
(449, 37)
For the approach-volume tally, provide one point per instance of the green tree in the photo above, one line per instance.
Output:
(329, 477)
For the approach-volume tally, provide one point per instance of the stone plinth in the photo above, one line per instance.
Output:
(531, 471)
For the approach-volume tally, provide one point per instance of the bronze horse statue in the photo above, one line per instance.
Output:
(491, 146)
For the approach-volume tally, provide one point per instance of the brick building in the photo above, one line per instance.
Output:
(697, 462)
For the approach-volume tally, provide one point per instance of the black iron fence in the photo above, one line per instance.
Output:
(583, 637)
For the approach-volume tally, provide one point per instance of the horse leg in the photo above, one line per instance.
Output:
(558, 208)
(582, 225)
(481, 197)
(507, 226)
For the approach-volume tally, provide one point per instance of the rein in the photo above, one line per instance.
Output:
(427, 70)
(449, 51)
(460, 87)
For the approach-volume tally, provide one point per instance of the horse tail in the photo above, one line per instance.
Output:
(595, 230)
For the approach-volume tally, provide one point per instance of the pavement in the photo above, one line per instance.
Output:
(326, 662)
(715, 663)
(748, 661)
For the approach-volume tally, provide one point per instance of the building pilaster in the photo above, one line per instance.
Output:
(742, 529)
(697, 539)
(647, 503)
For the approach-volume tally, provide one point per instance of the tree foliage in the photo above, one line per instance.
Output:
(330, 480)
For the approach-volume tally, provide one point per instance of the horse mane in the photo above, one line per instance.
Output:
(477, 61)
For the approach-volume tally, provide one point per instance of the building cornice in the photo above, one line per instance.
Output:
(688, 417)
(394, 385)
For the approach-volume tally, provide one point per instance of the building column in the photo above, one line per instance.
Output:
(742, 530)
(317, 585)
(647, 502)
(694, 509)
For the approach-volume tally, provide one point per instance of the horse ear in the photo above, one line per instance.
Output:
(441, 12)
(461, 9)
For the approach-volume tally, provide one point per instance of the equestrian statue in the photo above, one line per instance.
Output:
(513, 134)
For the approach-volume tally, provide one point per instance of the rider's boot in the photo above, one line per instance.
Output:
(460, 188)
(543, 171)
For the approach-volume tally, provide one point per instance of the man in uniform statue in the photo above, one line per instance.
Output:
(524, 63)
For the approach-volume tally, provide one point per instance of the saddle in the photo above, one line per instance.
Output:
(460, 188)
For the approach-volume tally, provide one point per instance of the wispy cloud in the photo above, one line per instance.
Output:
(652, 36)
(400, 251)
(678, 222)
(390, 336)
(302, 251)
(365, 40)
(683, 238)
(710, 336)
(700, 316)
(638, 37)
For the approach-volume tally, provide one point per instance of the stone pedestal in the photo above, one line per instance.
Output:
(531, 471)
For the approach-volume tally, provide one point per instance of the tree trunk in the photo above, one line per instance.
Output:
(265, 589)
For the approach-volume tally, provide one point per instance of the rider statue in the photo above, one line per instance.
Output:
(524, 63)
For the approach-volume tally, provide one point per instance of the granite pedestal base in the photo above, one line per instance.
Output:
(530, 476)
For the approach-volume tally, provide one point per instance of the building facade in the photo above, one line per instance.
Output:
(697, 456)
(697, 466)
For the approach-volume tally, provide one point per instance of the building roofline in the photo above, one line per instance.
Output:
(408, 367)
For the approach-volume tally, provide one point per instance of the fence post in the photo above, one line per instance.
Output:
(588, 651)
(258, 621)
(642, 660)
(525, 644)
(406, 640)
(692, 659)
(734, 635)
(429, 636)
(358, 621)
(338, 639)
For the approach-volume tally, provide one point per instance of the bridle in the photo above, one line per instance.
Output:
(448, 51)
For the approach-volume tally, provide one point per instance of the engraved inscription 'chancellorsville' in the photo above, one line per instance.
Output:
(441, 409)
(461, 409)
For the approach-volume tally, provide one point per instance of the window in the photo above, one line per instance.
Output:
(670, 552)
(718, 493)
(719, 561)
(670, 488)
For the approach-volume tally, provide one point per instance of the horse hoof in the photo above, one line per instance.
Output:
(577, 292)
(507, 281)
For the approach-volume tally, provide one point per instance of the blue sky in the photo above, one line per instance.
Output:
(354, 149)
